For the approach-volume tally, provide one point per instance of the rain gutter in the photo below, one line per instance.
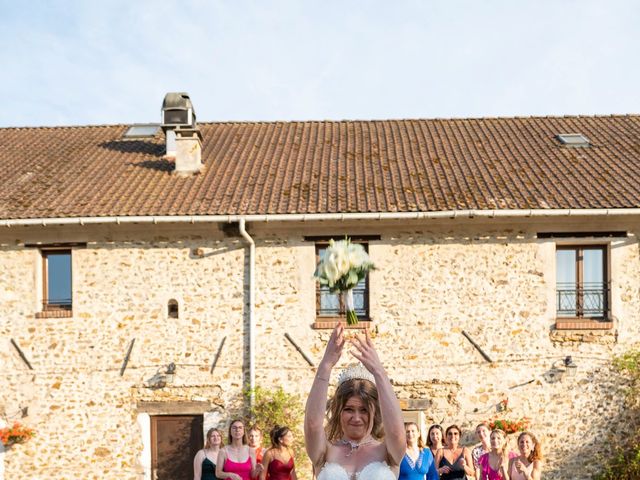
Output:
(305, 217)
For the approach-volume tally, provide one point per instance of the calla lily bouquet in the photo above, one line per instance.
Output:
(342, 267)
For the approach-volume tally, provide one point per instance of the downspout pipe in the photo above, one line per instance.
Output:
(252, 303)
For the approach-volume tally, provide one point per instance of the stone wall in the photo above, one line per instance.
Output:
(492, 281)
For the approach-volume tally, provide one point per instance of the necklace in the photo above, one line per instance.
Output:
(354, 446)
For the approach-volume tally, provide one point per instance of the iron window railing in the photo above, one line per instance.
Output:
(582, 300)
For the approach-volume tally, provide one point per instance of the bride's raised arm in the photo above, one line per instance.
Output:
(314, 434)
(392, 421)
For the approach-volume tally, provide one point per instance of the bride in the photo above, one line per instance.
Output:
(364, 438)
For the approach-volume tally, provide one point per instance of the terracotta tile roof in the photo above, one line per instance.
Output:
(325, 167)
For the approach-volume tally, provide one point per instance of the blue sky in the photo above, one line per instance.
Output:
(112, 61)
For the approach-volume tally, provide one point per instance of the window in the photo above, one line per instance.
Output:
(142, 131)
(56, 276)
(573, 140)
(582, 285)
(172, 309)
(329, 306)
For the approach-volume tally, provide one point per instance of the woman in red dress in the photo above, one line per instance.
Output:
(277, 462)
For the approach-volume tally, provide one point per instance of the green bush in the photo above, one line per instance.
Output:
(623, 463)
(274, 406)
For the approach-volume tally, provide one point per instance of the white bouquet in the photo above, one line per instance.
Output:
(343, 265)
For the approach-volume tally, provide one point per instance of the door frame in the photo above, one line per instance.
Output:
(212, 415)
(144, 422)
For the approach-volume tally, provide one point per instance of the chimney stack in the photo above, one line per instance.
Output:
(183, 138)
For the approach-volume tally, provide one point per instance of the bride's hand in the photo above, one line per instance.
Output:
(366, 352)
(333, 352)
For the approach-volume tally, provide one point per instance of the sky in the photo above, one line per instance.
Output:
(92, 62)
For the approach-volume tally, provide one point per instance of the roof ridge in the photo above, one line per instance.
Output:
(64, 127)
(418, 119)
(329, 121)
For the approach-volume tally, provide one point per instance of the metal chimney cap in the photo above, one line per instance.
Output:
(177, 101)
(177, 111)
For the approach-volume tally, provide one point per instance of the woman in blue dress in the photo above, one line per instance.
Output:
(417, 463)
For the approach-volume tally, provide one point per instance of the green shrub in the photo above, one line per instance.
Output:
(623, 462)
(274, 406)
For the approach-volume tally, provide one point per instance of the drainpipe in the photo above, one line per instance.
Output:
(252, 302)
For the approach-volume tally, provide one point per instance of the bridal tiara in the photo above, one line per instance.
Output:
(355, 371)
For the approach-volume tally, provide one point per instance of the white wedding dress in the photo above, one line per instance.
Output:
(372, 471)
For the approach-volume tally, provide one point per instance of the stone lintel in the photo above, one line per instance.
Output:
(190, 407)
(415, 403)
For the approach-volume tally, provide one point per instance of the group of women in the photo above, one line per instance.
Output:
(364, 437)
(359, 434)
(243, 458)
(444, 457)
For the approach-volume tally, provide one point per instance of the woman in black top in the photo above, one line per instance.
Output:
(435, 439)
(454, 461)
(204, 463)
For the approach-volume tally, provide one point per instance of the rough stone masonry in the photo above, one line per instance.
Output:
(494, 281)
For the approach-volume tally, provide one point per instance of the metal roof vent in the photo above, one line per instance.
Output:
(177, 111)
(573, 140)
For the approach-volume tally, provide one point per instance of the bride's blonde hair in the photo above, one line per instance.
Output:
(365, 391)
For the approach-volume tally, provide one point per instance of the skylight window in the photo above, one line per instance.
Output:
(573, 140)
(142, 131)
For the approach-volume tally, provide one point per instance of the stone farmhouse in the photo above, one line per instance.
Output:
(151, 273)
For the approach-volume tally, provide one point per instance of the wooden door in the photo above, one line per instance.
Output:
(175, 440)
